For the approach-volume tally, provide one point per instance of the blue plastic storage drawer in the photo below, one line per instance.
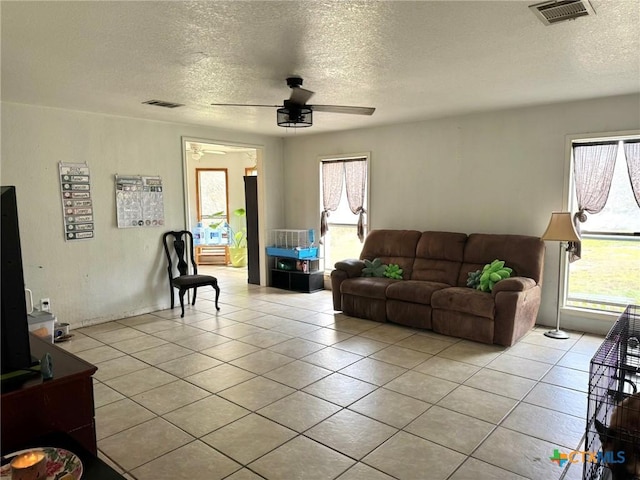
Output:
(299, 253)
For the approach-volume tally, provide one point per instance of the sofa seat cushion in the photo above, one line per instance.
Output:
(465, 300)
(414, 291)
(370, 287)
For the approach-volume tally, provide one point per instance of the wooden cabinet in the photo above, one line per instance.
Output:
(300, 275)
(297, 281)
(39, 407)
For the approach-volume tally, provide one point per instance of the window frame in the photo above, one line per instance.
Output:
(328, 266)
(585, 314)
(226, 180)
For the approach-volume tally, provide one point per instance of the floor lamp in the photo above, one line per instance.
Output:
(560, 229)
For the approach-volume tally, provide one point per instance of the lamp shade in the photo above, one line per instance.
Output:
(561, 228)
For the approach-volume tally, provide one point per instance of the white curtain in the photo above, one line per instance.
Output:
(352, 171)
(632, 152)
(355, 173)
(331, 191)
(593, 165)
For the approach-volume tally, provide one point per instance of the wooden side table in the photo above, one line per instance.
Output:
(39, 407)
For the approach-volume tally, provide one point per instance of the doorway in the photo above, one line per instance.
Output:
(214, 177)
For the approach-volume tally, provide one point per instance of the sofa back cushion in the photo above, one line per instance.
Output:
(524, 254)
(392, 246)
(439, 256)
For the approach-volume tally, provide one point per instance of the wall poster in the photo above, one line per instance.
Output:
(139, 201)
(77, 206)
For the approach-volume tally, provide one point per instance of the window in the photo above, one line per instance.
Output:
(344, 193)
(212, 194)
(607, 275)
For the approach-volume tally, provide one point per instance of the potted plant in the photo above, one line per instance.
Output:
(238, 242)
(237, 239)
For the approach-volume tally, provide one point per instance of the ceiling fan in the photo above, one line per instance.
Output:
(296, 113)
(197, 151)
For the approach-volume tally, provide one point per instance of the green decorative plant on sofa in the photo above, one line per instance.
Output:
(393, 271)
(491, 274)
(373, 268)
(434, 294)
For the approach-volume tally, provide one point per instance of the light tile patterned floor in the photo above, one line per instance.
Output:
(279, 386)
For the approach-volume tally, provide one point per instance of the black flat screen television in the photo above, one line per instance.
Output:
(14, 335)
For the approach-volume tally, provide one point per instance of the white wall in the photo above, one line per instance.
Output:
(494, 172)
(120, 272)
(499, 171)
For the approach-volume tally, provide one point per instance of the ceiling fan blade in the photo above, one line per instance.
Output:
(300, 96)
(241, 105)
(342, 109)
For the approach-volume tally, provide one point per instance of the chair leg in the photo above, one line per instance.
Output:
(195, 292)
(172, 295)
(217, 289)
(182, 301)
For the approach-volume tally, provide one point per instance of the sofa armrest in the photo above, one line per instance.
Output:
(352, 267)
(345, 269)
(337, 277)
(516, 312)
(513, 284)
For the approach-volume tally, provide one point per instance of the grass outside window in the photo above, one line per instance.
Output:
(341, 243)
(607, 277)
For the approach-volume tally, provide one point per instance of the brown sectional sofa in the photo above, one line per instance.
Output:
(433, 293)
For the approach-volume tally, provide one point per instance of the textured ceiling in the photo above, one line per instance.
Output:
(410, 60)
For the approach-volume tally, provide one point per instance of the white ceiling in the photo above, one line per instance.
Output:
(410, 60)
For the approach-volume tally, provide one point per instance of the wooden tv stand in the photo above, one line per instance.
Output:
(63, 404)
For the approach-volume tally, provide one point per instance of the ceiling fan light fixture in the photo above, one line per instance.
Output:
(295, 117)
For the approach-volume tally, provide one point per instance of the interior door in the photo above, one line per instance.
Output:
(253, 242)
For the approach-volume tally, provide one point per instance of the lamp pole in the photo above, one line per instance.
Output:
(557, 333)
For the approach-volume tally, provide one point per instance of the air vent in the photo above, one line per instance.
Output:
(162, 103)
(554, 12)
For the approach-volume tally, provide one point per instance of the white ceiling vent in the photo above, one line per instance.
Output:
(162, 103)
(553, 12)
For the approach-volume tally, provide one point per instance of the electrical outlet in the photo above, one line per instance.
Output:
(45, 305)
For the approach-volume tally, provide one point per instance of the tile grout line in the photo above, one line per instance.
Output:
(342, 408)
